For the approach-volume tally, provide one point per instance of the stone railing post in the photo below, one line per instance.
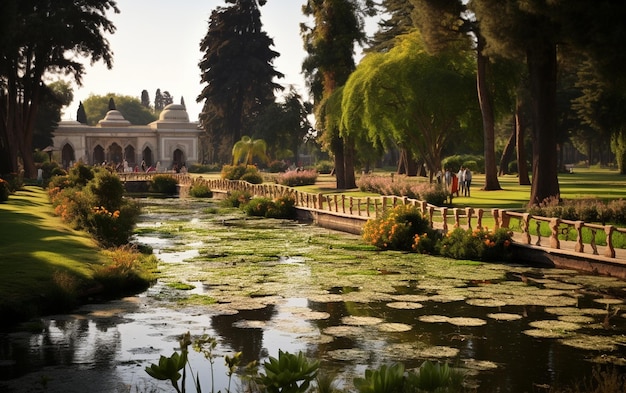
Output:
(469, 212)
(610, 250)
(579, 247)
(525, 226)
(457, 220)
(444, 215)
(479, 218)
(554, 230)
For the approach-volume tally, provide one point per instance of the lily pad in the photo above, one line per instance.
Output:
(591, 343)
(551, 324)
(504, 316)
(465, 321)
(545, 333)
(343, 331)
(405, 305)
(410, 298)
(393, 327)
(245, 324)
(480, 365)
(608, 301)
(437, 352)
(433, 318)
(360, 321)
(581, 319)
(351, 354)
(485, 302)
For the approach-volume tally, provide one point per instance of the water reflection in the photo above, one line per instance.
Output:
(104, 348)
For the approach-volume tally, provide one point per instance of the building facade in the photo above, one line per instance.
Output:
(169, 143)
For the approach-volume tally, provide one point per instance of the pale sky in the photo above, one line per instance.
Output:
(156, 45)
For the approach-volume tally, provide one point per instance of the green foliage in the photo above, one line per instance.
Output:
(200, 189)
(247, 149)
(277, 166)
(92, 200)
(252, 177)
(386, 379)
(283, 207)
(297, 178)
(4, 190)
(324, 166)
(239, 172)
(288, 373)
(129, 272)
(435, 377)
(205, 168)
(163, 184)
(475, 163)
(478, 244)
(237, 198)
(588, 210)
(97, 106)
(401, 228)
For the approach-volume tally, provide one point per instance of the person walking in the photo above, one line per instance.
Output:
(461, 176)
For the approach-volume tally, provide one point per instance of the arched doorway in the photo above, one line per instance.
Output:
(146, 156)
(115, 153)
(129, 155)
(179, 160)
(98, 155)
(67, 155)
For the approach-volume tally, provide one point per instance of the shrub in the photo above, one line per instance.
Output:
(478, 244)
(324, 167)
(200, 189)
(205, 168)
(397, 230)
(252, 177)
(237, 198)
(297, 178)
(4, 190)
(512, 167)
(283, 207)
(163, 184)
(15, 181)
(277, 166)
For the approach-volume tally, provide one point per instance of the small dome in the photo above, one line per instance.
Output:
(174, 113)
(113, 118)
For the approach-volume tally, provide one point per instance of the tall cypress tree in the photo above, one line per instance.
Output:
(237, 71)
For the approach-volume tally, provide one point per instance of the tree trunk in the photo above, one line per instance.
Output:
(486, 109)
(541, 60)
(337, 150)
(520, 131)
(507, 153)
(348, 163)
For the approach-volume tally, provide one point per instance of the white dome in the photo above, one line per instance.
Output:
(174, 113)
(113, 118)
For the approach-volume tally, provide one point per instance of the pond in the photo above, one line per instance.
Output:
(260, 285)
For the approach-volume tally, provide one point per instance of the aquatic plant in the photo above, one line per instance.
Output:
(288, 373)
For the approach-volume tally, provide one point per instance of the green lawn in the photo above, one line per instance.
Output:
(38, 253)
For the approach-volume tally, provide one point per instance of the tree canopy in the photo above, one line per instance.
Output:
(409, 97)
(37, 39)
(96, 107)
(237, 73)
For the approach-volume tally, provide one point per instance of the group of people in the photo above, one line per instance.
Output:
(457, 183)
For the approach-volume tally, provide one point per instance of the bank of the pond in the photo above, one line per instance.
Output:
(46, 267)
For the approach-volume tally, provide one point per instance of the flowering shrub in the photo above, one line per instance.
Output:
(297, 178)
(432, 193)
(478, 244)
(401, 228)
(92, 200)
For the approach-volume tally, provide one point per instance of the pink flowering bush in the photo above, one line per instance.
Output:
(297, 178)
(432, 193)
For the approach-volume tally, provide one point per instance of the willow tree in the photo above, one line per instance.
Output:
(338, 26)
(412, 98)
(39, 39)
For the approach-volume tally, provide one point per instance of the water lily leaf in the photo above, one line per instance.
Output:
(551, 324)
(245, 324)
(591, 343)
(361, 321)
(480, 365)
(405, 305)
(580, 319)
(438, 352)
(545, 333)
(608, 301)
(351, 354)
(393, 327)
(465, 321)
(433, 318)
(410, 298)
(504, 316)
(343, 331)
(485, 302)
